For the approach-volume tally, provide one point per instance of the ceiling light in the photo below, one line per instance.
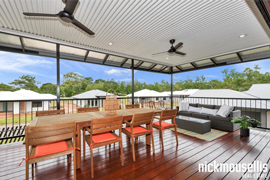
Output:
(243, 35)
(110, 43)
(167, 58)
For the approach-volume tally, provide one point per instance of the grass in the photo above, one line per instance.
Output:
(16, 120)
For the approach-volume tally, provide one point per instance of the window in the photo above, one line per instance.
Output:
(37, 104)
(164, 99)
(157, 98)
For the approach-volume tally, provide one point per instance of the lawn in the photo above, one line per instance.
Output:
(16, 120)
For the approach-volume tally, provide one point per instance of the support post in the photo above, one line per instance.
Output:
(171, 71)
(132, 81)
(58, 75)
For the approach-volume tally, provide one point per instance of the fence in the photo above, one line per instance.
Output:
(15, 115)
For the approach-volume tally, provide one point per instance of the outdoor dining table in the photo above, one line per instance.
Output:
(88, 116)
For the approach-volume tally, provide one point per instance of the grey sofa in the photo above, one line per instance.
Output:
(217, 122)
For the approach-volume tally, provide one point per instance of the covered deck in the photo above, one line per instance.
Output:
(180, 162)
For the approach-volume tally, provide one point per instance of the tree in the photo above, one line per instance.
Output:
(48, 88)
(5, 87)
(27, 82)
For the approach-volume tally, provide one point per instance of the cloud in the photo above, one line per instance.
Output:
(118, 72)
(263, 64)
(177, 77)
(22, 63)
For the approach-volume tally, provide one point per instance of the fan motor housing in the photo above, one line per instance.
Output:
(66, 17)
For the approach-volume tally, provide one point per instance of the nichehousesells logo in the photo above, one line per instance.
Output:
(255, 167)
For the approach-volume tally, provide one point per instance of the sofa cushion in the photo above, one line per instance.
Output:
(184, 113)
(200, 115)
(209, 111)
(219, 118)
(183, 106)
(225, 110)
(193, 104)
(194, 109)
(207, 106)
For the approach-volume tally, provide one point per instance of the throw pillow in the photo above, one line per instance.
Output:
(183, 106)
(194, 109)
(224, 110)
(209, 111)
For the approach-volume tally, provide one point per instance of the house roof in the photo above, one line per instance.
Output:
(146, 93)
(259, 90)
(209, 28)
(95, 93)
(185, 92)
(220, 93)
(24, 95)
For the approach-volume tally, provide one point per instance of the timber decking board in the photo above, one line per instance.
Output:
(176, 163)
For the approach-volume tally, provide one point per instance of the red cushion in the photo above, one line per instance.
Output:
(103, 137)
(51, 148)
(163, 124)
(136, 130)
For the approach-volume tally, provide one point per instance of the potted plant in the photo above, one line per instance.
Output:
(245, 122)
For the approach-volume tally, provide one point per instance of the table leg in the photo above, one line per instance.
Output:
(148, 137)
(78, 145)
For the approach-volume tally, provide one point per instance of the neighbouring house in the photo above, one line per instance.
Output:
(147, 95)
(250, 103)
(90, 98)
(24, 101)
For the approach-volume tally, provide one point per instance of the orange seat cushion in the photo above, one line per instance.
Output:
(51, 148)
(136, 129)
(163, 124)
(103, 137)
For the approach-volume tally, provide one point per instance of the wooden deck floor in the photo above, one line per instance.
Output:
(173, 163)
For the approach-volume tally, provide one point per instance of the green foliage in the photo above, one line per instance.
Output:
(75, 83)
(27, 82)
(246, 121)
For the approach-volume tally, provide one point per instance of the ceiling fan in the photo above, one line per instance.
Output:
(173, 48)
(66, 15)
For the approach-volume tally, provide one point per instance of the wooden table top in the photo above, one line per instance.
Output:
(80, 117)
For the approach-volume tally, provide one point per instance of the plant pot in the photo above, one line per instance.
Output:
(254, 125)
(244, 132)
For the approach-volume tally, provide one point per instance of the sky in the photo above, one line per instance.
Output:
(13, 65)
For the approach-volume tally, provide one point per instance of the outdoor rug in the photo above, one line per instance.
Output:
(210, 136)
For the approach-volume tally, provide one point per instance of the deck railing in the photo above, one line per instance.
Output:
(15, 115)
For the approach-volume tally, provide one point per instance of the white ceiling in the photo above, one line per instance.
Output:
(140, 28)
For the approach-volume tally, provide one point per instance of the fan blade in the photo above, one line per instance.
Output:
(181, 53)
(70, 6)
(178, 45)
(160, 53)
(40, 14)
(82, 27)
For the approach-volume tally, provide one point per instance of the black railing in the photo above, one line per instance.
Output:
(15, 115)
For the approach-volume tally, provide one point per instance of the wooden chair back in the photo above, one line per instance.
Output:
(152, 105)
(168, 114)
(90, 109)
(36, 135)
(162, 104)
(103, 125)
(131, 106)
(50, 112)
(142, 118)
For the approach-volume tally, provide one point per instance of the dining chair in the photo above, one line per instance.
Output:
(102, 134)
(49, 141)
(83, 110)
(131, 106)
(161, 125)
(152, 105)
(135, 128)
(162, 103)
(50, 112)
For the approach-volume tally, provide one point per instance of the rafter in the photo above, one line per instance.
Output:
(124, 62)
(105, 58)
(239, 56)
(86, 55)
(213, 61)
(139, 64)
(194, 65)
(22, 44)
(161, 69)
(153, 66)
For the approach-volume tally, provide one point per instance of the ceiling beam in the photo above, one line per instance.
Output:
(139, 64)
(213, 61)
(161, 69)
(105, 58)
(22, 44)
(153, 66)
(179, 68)
(194, 65)
(239, 56)
(124, 62)
(86, 55)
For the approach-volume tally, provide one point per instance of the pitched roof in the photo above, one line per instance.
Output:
(220, 93)
(146, 93)
(94, 93)
(259, 90)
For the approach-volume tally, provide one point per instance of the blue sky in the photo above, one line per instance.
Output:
(13, 65)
